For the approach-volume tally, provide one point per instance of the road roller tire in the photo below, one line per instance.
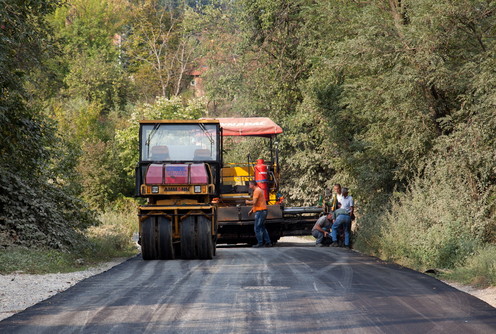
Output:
(188, 238)
(204, 238)
(165, 247)
(148, 239)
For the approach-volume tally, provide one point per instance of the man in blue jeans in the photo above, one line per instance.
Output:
(260, 210)
(341, 217)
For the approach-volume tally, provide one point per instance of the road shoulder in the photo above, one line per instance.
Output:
(20, 291)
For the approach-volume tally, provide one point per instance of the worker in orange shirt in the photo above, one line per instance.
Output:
(260, 210)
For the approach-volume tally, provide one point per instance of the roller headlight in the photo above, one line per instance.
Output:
(197, 189)
(154, 189)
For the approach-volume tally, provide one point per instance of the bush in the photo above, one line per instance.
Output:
(102, 176)
(39, 214)
(436, 223)
(369, 224)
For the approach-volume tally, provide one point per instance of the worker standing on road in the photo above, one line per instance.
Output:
(320, 230)
(342, 218)
(347, 203)
(260, 210)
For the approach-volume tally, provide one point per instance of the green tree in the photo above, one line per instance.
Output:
(90, 34)
(90, 26)
(23, 132)
(93, 94)
(35, 209)
(161, 47)
(98, 167)
(257, 69)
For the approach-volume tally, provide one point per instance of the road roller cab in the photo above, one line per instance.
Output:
(179, 175)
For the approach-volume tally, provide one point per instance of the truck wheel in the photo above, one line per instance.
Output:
(188, 238)
(204, 239)
(148, 240)
(165, 248)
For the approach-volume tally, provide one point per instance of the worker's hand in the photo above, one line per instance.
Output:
(250, 212)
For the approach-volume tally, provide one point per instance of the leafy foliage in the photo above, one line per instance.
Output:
(23, 133)
(98, 81)
(161, 46)
(36, 213)
(479, 270)
(103, 177)
(34, 209)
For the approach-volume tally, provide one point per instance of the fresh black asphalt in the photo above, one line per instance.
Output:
(287, 289)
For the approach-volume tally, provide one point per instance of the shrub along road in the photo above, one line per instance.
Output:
(287, 289)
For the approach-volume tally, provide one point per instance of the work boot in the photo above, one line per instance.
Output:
(334, 244)
(268, 245)
(319, 245)
(257, 246)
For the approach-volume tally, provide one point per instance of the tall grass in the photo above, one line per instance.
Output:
(368, 226)
(437, 223)
(479, 269)
(113, 237)
(37, 261)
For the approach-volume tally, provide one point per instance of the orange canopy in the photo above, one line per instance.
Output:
(249, 126)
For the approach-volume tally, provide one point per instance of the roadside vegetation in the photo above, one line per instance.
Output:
(111, 238)
(394, 99)
(478, 270)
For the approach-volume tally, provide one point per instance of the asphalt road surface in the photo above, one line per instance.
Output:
(285, 289)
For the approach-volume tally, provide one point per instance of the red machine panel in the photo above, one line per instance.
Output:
(154, 174)
(198, 174)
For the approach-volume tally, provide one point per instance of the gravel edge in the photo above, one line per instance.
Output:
(19, 291)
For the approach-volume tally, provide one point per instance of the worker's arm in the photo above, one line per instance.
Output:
(319, 228)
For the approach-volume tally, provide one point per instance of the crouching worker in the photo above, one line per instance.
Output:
(320, 230)
(341, 217)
